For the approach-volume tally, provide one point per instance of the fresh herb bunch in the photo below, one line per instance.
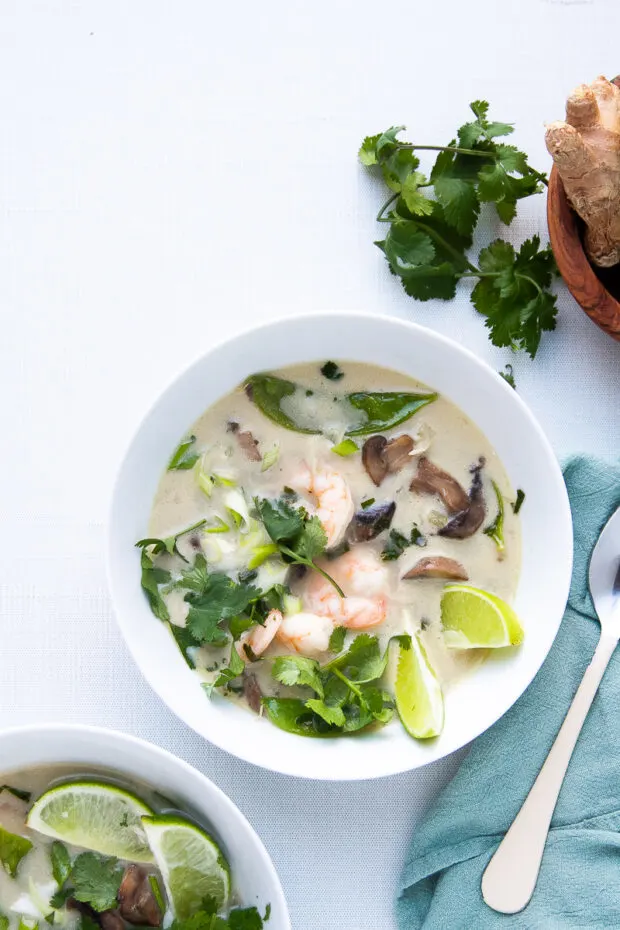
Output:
(347, 693)
(427, 240)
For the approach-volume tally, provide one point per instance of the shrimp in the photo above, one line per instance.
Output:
(259, 638)
(335, 504)
(306, 633)
(361, 572)
(355, 613)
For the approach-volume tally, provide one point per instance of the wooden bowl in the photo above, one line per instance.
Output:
(596, 291)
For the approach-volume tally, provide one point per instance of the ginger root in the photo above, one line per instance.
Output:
(586, 152)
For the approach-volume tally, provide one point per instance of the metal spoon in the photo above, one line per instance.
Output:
(510, 877)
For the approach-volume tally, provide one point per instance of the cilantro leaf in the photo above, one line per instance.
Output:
(333, 715)
(332, 371)
(298, 670)
(312, 541)
(235, 667)
(96, 881)
(196, 577)
(185, 640)
(282, 521)
(416, 202)
(395, 546)
(183, 457)
(61, 862)
(406, 246)
(337, 638)
(368, 150)
(13, 848)
(221, 600)
(59, 898)
(459, 201)
(363, 661)
(495, 530)
(508, 376)
(151, 579)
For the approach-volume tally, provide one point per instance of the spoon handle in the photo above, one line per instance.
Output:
(510, 877)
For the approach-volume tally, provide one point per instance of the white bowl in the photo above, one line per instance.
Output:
(480, 699)
(255, 881)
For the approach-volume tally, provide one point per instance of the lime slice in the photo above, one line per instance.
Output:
(419, 700)
(96, 816)
(475, 619)
(191, 863)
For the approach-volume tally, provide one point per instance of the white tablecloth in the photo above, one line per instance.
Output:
(170, 173)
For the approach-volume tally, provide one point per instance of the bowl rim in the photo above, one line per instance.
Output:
(564, 515)
(110, 738)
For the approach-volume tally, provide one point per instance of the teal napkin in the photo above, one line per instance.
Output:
(579, 883)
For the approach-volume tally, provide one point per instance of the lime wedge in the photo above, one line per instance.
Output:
(191, 863)
(475, 619)
(94, 815)
(419, 700)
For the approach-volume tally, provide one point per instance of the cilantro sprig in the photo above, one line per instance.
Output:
(299, 537)
(427, 241)
(207, 918)
(347, 696)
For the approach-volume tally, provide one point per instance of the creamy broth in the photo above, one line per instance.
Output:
(441, 432)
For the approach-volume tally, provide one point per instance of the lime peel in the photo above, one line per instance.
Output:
(475, 619)
(419, 699)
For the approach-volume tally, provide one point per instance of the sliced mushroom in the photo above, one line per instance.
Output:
(367, 524)
(381, 457)
(137, 901)
(430, 479)
(438, 566)
(466, 523)
(247, 443)
(252, 692)
(397, 453)
(107, 920)
(373, 460)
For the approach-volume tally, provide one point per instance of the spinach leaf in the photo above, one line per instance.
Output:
(151, 579)
(184, 458)
(268, 392)
(386, 409)
(185, 640)
(13, 848)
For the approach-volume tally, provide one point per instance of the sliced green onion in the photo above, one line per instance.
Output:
(346, 447)
(220, 527)
(261, 553)
(270, 458)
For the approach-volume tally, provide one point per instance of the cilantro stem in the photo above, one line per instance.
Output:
(336, 671)
(439, 239)
(380, 217)
(301, 560)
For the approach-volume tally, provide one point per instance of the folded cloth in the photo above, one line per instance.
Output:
(579, 882)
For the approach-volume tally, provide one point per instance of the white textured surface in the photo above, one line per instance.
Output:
(170, 173)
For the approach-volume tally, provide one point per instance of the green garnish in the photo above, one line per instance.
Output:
(261, 553)
(300, 538)
(516, 507)
(13, 848)
(383, 409)
(347, 698)
(386, 409)
(220, 600)
(184, 458)
(161, 904)
(185, 640)
(96, 881)
(346, 447)
(59, 898)
(398, 542)
(508, 376)
(367, 503)
(27, 923)
(270, 458)
(428, 239)
(228, 673)
(336, 640)
(16, 792)
(332, 372)
(220, 527)
(495, 530)
(61, 862)
(4, 922)
(169, 543)
(207, 918)
(268, 392)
